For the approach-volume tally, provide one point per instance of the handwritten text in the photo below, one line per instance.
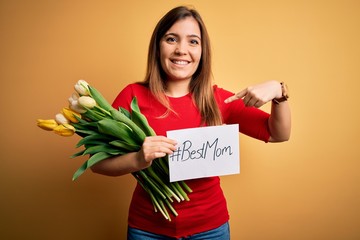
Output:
(187, 152)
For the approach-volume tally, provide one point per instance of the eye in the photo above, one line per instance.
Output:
(170, 39)
(194, 42)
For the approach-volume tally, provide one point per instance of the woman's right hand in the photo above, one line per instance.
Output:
(154, 147)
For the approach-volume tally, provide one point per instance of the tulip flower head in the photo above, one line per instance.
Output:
(65, 130)
(70, 115)
(76, 107)
(87, 102)
(82, 88)
(73, 97)
(48, 124)
(61, 119)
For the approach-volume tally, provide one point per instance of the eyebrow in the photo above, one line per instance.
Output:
(177, 35)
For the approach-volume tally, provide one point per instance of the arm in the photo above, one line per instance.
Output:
(152, 148)
(280, 122)
(280, 118)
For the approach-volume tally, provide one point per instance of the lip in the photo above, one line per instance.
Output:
(181, 62)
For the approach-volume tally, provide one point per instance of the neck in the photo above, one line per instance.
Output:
(177, 88)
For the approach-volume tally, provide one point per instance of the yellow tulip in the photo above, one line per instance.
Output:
(47, 125)
(70, 115)
(65, 130)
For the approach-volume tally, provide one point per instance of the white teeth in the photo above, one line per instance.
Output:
(180, 62)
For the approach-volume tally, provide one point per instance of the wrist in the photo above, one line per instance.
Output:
(284, 94)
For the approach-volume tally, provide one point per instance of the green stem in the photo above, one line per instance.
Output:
(164, 209)
(173, 186)
(164, 165)
(188, 189)
(152, 184)
(182, 192)
(158, 206)
(169, 192)
(153, 200)
(171, 207)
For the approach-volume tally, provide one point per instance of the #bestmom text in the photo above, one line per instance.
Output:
(211, 150)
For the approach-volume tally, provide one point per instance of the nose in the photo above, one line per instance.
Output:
(180, 48)
(179, 51)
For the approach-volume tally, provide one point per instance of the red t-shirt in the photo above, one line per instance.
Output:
(207, 206)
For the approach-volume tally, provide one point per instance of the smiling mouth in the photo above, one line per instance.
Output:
(180, 62)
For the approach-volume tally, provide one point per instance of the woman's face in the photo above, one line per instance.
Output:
(180, 50)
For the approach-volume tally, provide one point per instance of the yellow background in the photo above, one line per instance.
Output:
(307, 188)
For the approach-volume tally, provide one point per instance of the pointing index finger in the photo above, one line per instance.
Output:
(237, 96)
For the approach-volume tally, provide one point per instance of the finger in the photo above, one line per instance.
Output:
(151, 155)
(151, 143)
(251, 102)
(165, 145)
(246, 100)
(259, 103)
(160, 139)
(237, 96)
(163, 148)
(157, 147)
(159, 154)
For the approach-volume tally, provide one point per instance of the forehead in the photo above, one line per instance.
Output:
(185, 26)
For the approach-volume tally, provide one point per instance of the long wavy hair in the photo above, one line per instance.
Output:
(201, 83)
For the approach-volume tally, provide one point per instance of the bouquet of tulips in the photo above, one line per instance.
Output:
(107, 132)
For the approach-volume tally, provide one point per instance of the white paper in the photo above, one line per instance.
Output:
(205, 152)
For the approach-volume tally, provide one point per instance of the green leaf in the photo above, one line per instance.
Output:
(140, 120)
(117, 129)
(102, 148)
(93, 143)
(77, 154)
(87, 132)
(101, 110)
(100, 100)
(90, 162)
(125, 112)
(93, 115)
(138, 132)
(84, 125)
(125, 145)
(92, 139)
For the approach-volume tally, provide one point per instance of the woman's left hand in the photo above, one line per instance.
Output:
(258, 95)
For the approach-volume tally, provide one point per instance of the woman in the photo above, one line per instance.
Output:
(177, 93)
